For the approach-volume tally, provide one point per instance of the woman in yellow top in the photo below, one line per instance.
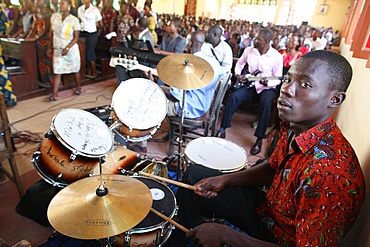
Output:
(151, 20)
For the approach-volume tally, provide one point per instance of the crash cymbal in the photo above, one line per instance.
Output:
(185, 71)
(78, 212)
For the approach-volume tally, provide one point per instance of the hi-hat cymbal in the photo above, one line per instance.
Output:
(78, 212)
(185, 71)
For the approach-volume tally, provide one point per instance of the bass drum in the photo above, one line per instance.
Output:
(153, 230)
(72, 147)
(139, 107)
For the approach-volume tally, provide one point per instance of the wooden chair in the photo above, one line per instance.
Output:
(199, 127)
(6, 149)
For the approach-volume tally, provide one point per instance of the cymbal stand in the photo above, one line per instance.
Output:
(101, 190)
(107, 242)
(180, 156)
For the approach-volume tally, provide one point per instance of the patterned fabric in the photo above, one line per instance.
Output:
(63, 35)
(318, 188)
(10, 14)
(108, 15)
(124, 25)
(44, 59)
(5, 82)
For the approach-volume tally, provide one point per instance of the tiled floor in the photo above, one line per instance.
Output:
(34, 116)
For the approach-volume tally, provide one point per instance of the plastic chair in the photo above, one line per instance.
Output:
(203, 126)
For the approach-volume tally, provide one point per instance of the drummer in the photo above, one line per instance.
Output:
(316, 184)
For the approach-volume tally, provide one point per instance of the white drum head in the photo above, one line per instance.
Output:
(216, 153)
(82, 132)
(139, 103)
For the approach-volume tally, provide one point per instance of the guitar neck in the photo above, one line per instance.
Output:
(257, 78)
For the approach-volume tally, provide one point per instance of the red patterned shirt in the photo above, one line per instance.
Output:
(318, 188)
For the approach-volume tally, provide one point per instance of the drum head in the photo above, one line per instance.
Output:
(164, 201)
(216, 153)
(82, 132)
(139, 103)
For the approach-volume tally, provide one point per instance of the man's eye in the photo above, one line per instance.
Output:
(305, 84)
(287, 80)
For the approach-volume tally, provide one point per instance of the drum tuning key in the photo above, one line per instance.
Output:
(48, 134)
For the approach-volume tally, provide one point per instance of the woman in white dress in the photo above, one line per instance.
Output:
(66, 54)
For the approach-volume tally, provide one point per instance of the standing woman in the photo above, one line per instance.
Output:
(151, 21)
(90, 17)
(65, 30)
(40, 32)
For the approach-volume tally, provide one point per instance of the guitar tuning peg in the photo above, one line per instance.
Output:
(134, 62)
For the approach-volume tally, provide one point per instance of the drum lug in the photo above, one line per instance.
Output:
(48, 134)
(127, 239)
(36, 155)
(152, 132)
(73, 156)
(115, 125)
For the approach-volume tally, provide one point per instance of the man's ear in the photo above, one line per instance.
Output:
(337, 99)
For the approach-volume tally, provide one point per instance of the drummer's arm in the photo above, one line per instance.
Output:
(258, 175)
(168, 94)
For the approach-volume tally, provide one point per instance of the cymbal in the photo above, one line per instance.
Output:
(78, 212)
(185, 71)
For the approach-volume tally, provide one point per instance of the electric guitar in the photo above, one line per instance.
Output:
(247, 79)
(131, 63)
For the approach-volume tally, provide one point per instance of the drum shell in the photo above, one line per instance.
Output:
(118, 159)
(54, 159)
(126, 132)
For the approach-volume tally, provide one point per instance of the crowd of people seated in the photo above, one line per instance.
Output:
(31, 21)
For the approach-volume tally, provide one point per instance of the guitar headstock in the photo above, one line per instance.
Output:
(129, 62)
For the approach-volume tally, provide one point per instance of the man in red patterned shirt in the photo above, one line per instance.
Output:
(317, 186)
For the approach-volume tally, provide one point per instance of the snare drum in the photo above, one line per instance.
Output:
(139, 107)
(72, 147)
(153, 230)
(216, 153)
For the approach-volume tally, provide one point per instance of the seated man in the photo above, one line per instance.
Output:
(215, 46)
(172, 42)
(197, 101)
(317, 186)
(144, 35)
(268, 60)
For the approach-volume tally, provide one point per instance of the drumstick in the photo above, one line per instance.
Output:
(187, 186)
(182, 228)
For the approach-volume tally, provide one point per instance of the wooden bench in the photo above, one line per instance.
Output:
(24, 75)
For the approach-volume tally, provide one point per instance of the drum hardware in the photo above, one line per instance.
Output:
(186, 72)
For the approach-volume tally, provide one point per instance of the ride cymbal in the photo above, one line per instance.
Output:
(77, 211)
(185, 71)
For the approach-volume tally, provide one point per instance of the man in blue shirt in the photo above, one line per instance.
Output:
(197, 101)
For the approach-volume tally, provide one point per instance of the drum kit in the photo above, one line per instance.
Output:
(78, 154)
